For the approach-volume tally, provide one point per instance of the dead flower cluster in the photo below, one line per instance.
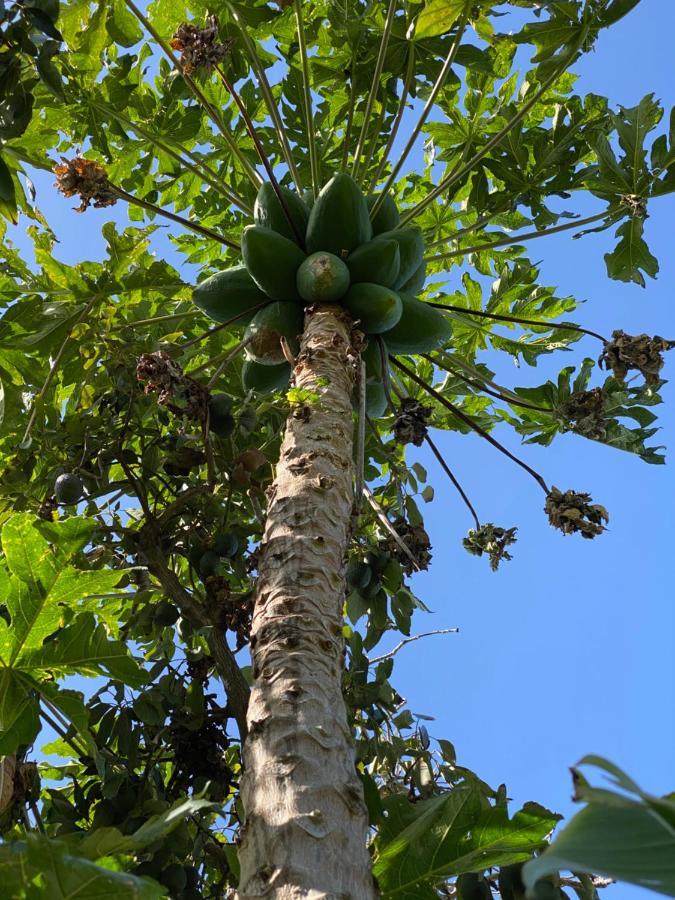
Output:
(583, 412)
(571, 511)
(642, 352)
(410, 425)
(492, 540)
(178, 392)
(416, 540)
(200, 47)
(86, 178)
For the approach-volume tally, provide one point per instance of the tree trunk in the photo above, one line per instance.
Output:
(306, 823)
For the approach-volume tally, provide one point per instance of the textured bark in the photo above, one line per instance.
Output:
(306, 822)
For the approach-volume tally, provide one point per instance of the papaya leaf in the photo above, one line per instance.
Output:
(430, 841)
(438, 17)
(43, 866)
(628, 836)
(632, 256)
(111, 841)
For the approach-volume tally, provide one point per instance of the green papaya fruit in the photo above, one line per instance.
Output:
(378, 560)
(228, 294)
(420, 329)
(165, 614)
(209, 563)
(377, 262)
(387, 216)
(472, 886)
(372, 357)
(358, 574)
(269, 213)
(339, 220)
(376, 399)
(226, 544)
(264, 379)
(221, 420)
(272, 261)
(376, 307)
(68, 488)
(308, 198)
(266, 329)
(411, 248)
(416, 281)
(322, 278)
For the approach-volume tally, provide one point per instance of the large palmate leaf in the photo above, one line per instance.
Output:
(44, 633)
(42, 867)
(627, 835)
(425, 843)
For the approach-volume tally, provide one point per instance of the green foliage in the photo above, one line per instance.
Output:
(112, 373)
(624, 834)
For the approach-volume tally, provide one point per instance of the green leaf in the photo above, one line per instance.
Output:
(632, 256)
(7, 193)
(432, 840)
(622, 837)
(110, 841)
(42, 867)
(122, 25)
(438, 17)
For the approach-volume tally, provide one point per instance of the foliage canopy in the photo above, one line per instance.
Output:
(138, 574)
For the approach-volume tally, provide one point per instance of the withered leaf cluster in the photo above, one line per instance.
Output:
(200, 47)
(177, 391)
(642, 352)
(583, 412)
(416, 540)
(571, 512)
(86, 178)
(492, 540)
(410, 425)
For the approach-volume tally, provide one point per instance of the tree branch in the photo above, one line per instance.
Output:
(235, 684)
(409, 640)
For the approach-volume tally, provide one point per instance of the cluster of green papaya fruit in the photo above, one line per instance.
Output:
(333, 250)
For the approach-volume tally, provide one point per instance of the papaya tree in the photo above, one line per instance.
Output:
(208, 522)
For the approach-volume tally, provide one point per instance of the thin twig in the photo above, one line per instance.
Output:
(309, 123)
(528, 236)
(372, 93)
(381, 515)
(448, 471)
(561, 326)
(409, 640)
(470, 422)
(428, 106)
(186, 223)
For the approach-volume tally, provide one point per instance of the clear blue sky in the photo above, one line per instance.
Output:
(567, 649)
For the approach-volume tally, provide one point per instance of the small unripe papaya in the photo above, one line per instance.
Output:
(68, 488)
